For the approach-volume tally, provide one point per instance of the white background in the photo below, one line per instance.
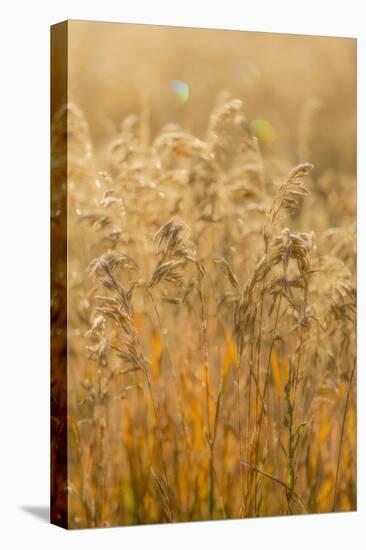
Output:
(24, 272)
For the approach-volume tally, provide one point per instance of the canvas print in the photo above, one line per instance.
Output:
(203, 216)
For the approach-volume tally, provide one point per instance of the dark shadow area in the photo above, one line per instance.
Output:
(40, 512)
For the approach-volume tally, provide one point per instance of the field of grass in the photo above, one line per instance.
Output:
(211, 274)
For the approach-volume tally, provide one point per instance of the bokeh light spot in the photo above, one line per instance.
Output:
(264, 131)
(181, 90)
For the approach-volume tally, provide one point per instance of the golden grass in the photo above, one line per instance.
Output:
(211, 325)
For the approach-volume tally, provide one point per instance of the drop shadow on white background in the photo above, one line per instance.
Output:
(40, 512)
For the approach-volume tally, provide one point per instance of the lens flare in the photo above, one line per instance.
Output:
(264, 131)
(181, 90)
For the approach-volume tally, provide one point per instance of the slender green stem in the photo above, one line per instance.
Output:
(160, 442)
(207, 387)
(260, 421)
(259, 345)
(251, 375)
